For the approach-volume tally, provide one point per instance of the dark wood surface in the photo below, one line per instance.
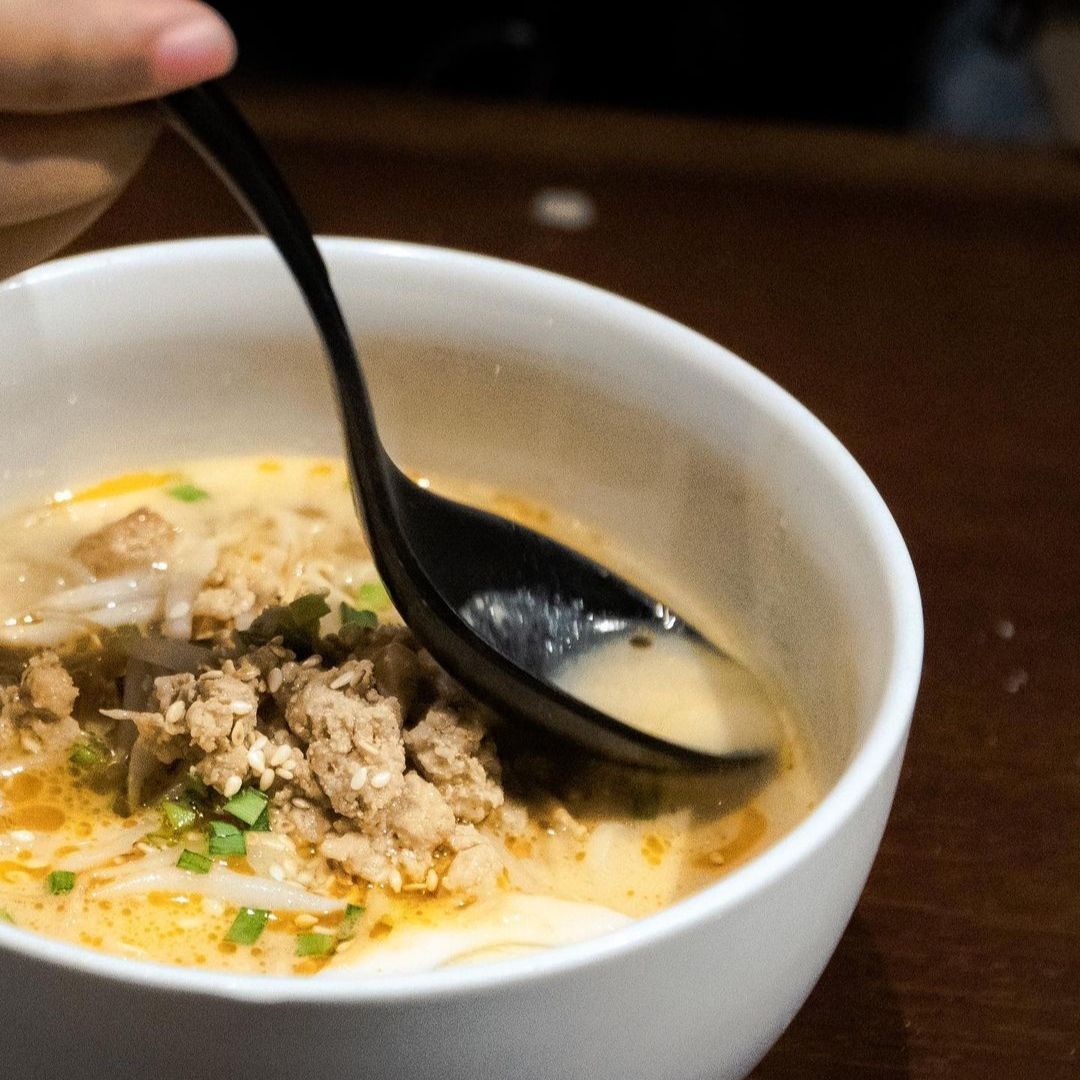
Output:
(923, 301)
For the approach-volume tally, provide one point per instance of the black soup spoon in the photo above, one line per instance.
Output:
(505, 610)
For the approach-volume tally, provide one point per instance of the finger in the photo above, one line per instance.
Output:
(70, 55)
(52, 164)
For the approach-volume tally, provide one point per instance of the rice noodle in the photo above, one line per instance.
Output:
(106, 846)
(114, 590)
(45, 633)
(137, 612)
(239, 890)
(189, 568)
(505, 925)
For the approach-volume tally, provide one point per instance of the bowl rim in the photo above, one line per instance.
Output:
(882, 745)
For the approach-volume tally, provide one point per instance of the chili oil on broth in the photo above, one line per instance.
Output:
(598, 846)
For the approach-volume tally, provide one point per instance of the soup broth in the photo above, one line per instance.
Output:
(219, 747)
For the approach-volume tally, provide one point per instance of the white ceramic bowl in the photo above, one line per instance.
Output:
(727, 489)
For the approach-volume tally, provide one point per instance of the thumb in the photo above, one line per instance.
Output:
(70, 55)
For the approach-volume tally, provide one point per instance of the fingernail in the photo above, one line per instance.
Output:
(194, 50)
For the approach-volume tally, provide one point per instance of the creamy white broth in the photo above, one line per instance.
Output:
(588, 848)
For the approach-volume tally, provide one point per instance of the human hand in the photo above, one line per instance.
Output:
(72, 131)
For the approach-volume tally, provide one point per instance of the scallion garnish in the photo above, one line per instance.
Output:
(6, 916)
(247, 926)
(188, 493)
(353, 914)
(226, 839)
(315, 944)
(247, 805)
(262, 822)
(350, 616)
(297, 623)
(193, 861)
(196, 788)
(60, 882)
(177, 816)
(373, 595)
(88, 753)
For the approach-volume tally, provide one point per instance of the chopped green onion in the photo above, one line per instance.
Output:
(188, 493)
(247, 926)
(262, 822)
(315, 944)
(373, 595)
(177, 816)
(226, 839)
(297, 623)
(247, 805)
(308, 608)
(6, 916)
(193, 861)
(195, 786)
(88, 753)
(61, 881)
(353, 915)
(350, 615)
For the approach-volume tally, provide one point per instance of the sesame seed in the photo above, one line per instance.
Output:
(359, 778)
(301, 803)
(312, 661)
(175, 712)
(240, 708)
(431, 882)
(305, 920)
(342, 680)
(232, 786)
(380, 779)
(273, 680)
(115, 714)
(281, 755)
(259, 742)
(277, 872)
(395, 880)
(146, 849)
(267, 778)
(285, 774)
(256, 760)
(212, 674)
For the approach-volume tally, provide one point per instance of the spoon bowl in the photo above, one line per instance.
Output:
(507, 611)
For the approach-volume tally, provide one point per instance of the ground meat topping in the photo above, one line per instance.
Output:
(452, 751)
(326, 743)
(48, 685)
(132, 543)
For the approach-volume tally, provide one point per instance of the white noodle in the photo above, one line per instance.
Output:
(50, 631)
(114, 590)
(107, 846)
(138, 611)
(188, 569)
(239, 890)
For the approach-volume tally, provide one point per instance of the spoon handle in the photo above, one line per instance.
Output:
(208, 120)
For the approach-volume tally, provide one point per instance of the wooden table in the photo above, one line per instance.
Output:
(923, 301)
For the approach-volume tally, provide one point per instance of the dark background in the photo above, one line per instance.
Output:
(958, 65)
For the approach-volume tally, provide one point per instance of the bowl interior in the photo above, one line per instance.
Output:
(719, 490)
